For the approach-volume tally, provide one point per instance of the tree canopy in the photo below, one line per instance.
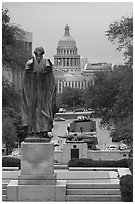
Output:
(13, 49)
(112, 95)
(122, 32)
(71, 96)
(13, 56)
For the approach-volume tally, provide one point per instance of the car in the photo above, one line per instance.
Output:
(15, 154)
(62, 110)
(81, 117)
(112, 147)
(59, 119)
(123, 147)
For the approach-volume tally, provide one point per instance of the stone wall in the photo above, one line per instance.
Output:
(64, 155)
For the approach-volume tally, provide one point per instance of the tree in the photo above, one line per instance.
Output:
(10, 97)
(14, 53)
(122, 32)
(112, 95)
(10, 114)
(8, 133)
(71, 96)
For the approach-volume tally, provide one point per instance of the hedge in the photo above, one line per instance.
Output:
(130, 165)
(83, 162)
(126, 188)
(11, 162)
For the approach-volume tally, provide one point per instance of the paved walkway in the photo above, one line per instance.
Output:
(88, 176)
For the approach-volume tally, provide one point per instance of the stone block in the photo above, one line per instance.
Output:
(38, 193)
(37, 158)
(37, 179)
(61, 191)
(12, 191)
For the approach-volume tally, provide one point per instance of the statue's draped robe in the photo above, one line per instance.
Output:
(38, 96)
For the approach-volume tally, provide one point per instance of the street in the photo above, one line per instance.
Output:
(103, 135)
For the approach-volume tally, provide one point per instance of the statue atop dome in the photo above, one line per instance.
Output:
(67, 30)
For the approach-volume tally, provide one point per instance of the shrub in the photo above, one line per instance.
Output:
(11, 162)
(82, 162)
(126, 188)
(130, 165)
(8, 133)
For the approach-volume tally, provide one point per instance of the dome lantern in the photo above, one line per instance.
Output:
(66, 30)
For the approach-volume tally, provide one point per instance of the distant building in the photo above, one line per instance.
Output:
(17, 73)
(90, 68)
(83, 62)
(70, 69)
(67, 56)
(67, 64)
(14, 76)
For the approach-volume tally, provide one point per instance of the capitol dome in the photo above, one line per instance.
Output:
(67, 41)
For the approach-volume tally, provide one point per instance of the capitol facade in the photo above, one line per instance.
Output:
(70, 69)
(67, 64)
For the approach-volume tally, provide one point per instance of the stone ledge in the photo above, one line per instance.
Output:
(37, 179)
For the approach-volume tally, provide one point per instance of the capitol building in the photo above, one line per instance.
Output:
(70, 69)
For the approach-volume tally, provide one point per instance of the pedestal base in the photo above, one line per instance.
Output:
(36, 193)
(37, 179)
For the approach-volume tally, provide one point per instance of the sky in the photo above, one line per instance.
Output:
(88, 22)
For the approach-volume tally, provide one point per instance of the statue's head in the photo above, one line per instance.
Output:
(39, 51)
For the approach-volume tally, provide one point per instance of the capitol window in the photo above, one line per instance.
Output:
(67, 62)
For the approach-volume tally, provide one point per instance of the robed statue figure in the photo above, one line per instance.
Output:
(38, 95)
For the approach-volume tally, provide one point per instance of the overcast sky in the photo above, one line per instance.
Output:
(87, 21)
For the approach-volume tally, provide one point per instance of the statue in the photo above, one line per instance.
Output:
(38, 96)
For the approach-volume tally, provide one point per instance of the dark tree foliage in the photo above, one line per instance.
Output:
(112, 95)
(8, 133)
(122, 32)
(126, 188)
(71, 96)
(11, 162)
(10, 97)
(14, 53)
(10, 114)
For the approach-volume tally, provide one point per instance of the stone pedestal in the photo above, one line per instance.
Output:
(37, 181)
(37, 158)
(37, 164)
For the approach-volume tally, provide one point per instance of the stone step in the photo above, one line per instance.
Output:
(62, 166)
(4, 191)
(93, 192)
(10, 168)
(92, 186)
(94, 198)
(4, 197)
(4, 185)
